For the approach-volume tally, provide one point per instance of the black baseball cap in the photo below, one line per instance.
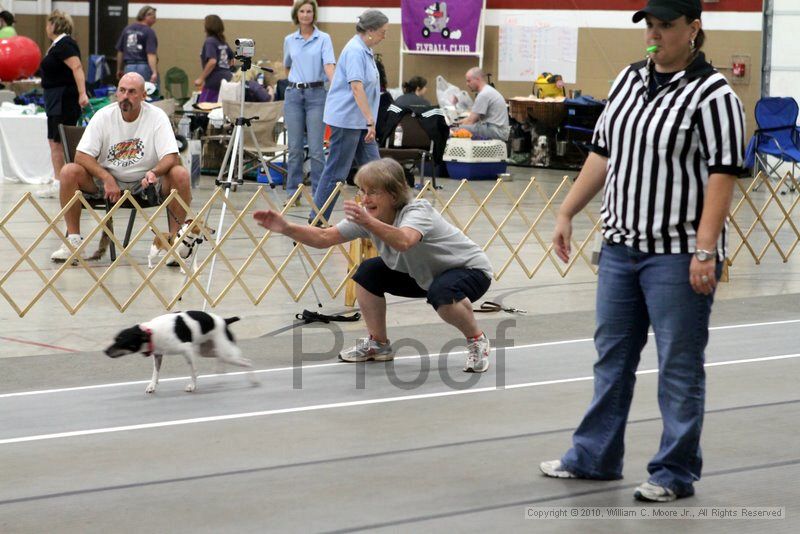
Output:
(670, 9)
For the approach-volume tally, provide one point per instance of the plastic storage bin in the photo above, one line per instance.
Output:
(475, 160)
(277, 178)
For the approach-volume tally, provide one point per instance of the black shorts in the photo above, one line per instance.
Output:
(70, 118)
(447, 288)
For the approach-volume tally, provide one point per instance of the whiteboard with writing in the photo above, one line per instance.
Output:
(524, 52)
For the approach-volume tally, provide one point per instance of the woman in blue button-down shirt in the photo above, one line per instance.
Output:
(309, 59)
(352, 106)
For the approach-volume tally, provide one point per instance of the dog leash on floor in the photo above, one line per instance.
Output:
(491, 307)
(314, 317)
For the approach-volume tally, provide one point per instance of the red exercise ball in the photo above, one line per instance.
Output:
(19, 58)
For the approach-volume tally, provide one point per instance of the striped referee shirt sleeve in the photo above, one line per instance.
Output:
(720, 123)
(599, 144)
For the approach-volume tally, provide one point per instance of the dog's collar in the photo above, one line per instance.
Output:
(150, 347)
(190, 243)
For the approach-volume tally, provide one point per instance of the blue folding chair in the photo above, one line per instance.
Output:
(98, 71)
(777, 136)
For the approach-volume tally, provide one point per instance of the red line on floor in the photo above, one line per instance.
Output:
(45, 345)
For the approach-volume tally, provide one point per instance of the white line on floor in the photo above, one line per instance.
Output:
(316, 407)
(261, 371)
(322, 365)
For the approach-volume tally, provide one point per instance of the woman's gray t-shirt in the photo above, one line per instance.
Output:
(442, 247)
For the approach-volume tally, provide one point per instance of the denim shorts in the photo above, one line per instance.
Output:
(447, 288)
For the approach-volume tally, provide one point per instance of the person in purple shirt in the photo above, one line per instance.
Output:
(137, 47)
(216, 57)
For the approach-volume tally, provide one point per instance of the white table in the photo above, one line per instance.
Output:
(24, 150)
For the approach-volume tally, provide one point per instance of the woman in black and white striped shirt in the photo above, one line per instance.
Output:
(667, 148)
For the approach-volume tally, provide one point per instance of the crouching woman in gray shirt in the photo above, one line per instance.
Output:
(420, 255)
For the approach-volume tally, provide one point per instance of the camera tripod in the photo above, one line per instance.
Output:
(234, 160)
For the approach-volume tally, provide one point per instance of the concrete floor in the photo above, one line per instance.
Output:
(411, 446)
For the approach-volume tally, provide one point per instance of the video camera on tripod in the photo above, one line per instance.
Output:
(245, 48)
(245, 51)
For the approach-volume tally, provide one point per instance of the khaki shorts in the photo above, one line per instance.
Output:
(134, 187)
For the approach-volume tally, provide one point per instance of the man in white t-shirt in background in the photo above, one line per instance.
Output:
(489, 115)
(127, 145)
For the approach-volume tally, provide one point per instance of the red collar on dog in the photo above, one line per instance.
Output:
(150, 347)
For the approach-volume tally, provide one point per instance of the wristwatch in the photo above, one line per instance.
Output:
(705, 255)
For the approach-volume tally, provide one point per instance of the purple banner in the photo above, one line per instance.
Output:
(441, 27)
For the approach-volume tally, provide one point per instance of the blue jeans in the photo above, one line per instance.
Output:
(635, 290)
(141, 68)
(302, 112)
(346, 146)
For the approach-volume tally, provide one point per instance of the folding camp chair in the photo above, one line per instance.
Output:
(416, 146)
(168, 106)
(176, 85)
(776, 142)
(97, 72)
(265, 129)
(422, 127)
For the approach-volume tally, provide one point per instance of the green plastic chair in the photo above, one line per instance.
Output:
(176, 76)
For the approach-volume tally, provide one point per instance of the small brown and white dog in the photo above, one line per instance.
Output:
(191, 235)
(190, 333)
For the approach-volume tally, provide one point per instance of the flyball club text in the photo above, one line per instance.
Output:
(433, 47)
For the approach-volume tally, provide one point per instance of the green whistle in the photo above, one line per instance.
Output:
(652, 49)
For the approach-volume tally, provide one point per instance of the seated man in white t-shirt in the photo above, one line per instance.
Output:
(127, 145)
(489, 115)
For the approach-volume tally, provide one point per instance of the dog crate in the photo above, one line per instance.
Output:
(475, 160)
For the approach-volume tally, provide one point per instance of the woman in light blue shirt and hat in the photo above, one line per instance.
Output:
(352, 106)
(308, 56)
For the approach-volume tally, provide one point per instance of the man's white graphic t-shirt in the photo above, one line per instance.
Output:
(128, 149)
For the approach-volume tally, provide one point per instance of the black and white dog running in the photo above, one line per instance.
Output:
(192, 334)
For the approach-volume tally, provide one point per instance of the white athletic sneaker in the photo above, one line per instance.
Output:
(553, 468)
(478, 355)
(368, 349)
(51, 191)
(650, 492)
(61, 255)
